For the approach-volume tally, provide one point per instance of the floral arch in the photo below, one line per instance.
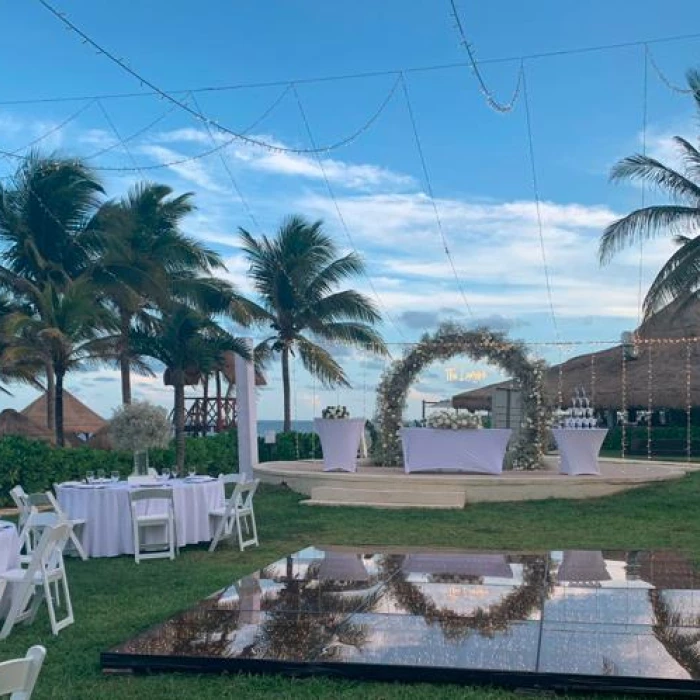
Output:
(450, 340)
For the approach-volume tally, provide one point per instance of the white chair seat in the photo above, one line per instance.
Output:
(77, 522)
(16, 575)
(218, 512)
(152, 519)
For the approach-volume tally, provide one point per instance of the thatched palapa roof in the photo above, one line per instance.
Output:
(77, 417)
(14, 423)
(601, 374)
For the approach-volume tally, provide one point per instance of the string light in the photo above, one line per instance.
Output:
(431, 196)
(560, 383)
(538, 212)
(593, 379)
(662, 77)
(358, 75)
(296, 406)
(688, 403)
(275, 148)
(502, 107)
(624, 402)
(649, 398)
(643, 184)
(338, 211)
(51, 131)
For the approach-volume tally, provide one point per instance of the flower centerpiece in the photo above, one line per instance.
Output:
(138, 427)
(335, 412)
(452, 420)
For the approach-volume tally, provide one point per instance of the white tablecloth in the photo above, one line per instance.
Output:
(578, 449)
(432, 449)
(340, 441)
(108, 531)
(9, 559)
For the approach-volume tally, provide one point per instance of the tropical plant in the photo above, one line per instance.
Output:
(14, 367)
(47, 231)
(188, 342)
(67, 329)
(295, 275)
(146, 260)
(679, 278)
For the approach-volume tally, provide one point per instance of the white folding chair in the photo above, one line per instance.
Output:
(237, 510)
(24, 507)
(47, 501)
(165, 521)
(18, 676)
(33, 583)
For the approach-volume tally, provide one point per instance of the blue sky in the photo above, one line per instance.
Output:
(586, 112)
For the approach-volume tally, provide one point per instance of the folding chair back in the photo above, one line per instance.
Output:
(24, 507)
(31, 533)
(144, 521)
(238, 511)
(18, 676)
(33, 583)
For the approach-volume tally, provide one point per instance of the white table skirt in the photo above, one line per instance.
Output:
(340, 442)
(108, 530)
(433, 449)
(9, 559)
(578, 449)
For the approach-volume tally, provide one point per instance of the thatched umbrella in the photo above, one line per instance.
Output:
(14, 423)
(601, 373)
(78, 418)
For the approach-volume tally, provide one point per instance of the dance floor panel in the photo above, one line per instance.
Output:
(598, 620)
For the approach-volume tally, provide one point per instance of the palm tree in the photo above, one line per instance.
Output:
(679, 278)
(14, 366)
(295, 274)
(146, 259)
(47, 230)
(67, 329)
(187, 342)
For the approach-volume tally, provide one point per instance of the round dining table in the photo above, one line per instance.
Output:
(106, 510)
(9, 559)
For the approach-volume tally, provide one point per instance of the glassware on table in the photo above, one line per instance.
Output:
(114, 477)
(101, 474)
(191, 471)
(165, 474)
(89, 477)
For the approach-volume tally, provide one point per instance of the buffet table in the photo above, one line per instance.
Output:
(578, 449)
(9, 559)
(434, 449)
(340, 442)
(106, 511)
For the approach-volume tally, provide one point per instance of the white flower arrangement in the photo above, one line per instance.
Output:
(451, 420)
(140, 426)
(335, 412)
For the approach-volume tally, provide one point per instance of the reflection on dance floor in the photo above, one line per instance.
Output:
(629, 618)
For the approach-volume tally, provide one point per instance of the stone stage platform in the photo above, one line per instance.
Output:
(390, 487)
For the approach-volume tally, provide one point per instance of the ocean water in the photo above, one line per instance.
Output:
(302, 426)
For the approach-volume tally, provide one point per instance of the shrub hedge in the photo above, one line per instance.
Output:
(37, 465)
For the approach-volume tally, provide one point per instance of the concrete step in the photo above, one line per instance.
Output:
(386, 498)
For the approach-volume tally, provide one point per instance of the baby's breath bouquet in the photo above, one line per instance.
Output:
(451, 420)
(335, 412)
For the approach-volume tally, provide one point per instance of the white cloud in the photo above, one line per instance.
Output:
(194, 171)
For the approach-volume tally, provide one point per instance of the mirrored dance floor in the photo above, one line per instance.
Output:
(616, 620)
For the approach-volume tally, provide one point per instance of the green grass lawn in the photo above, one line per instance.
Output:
(115, 598)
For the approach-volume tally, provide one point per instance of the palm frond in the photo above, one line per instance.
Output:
(319, 362)
(646, 223)
(641, 168)
(678, 278)
(351, 333)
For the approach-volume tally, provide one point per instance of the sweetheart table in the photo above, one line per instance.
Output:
(578, 449)
(340, 442)
(434, 449)
(107, 514)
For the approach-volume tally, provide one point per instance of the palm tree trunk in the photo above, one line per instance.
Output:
(179, 386)
(286, 390)
(219, 414)
(124, 356)
(50, 397)
(60, 437)
(205, 406)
